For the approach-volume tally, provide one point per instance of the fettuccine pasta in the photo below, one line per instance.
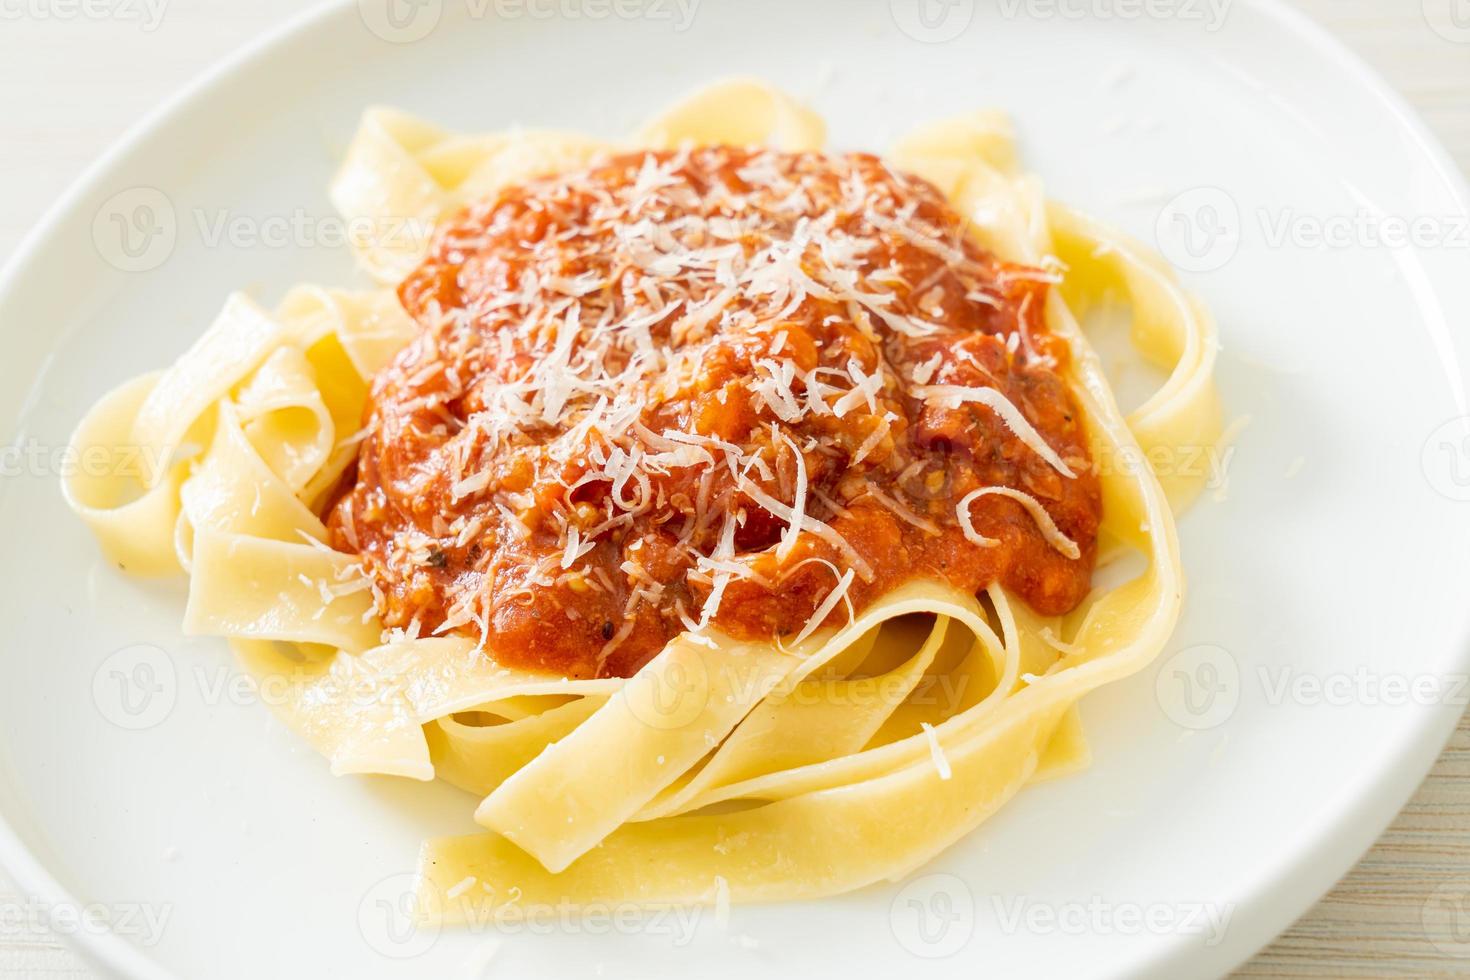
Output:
(884, 712)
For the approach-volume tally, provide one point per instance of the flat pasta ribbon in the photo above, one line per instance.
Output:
(755, 770)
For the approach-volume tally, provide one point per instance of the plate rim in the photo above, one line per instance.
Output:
(1312, 872)
(105, 950)
(1303, 879)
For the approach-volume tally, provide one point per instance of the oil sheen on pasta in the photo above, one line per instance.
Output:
(717, 386)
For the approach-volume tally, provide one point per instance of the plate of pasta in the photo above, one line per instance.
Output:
(741, 517)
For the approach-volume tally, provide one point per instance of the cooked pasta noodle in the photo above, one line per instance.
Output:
(791, 768)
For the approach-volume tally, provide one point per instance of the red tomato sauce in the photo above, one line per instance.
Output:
(628, 377)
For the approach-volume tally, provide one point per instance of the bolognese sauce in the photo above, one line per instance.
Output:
(716, 387)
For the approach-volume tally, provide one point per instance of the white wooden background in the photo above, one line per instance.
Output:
(69, 88)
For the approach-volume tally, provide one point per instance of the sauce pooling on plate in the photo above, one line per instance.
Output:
(744, 389)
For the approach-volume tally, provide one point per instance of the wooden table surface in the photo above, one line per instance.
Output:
(68, 89)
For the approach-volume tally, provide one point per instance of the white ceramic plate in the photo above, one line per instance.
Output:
(1310, 685)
